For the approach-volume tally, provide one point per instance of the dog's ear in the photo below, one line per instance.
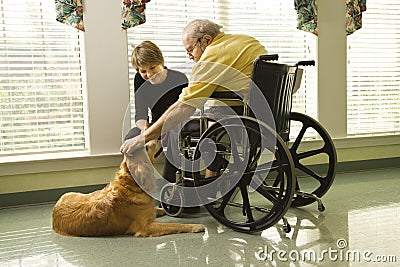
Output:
(142, 170)
(154, 149)
(123, 166)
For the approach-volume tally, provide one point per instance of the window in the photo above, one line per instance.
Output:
(373, 71)
(41, 86)
(272, 22)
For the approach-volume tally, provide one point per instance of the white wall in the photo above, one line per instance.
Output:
(107, 74)
(332, 67)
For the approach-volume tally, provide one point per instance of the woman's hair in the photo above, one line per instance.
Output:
(198, 27)
(146, 53)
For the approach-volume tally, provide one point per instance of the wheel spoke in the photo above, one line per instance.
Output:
(255, 167)
(255, 159)
(235, 154)
(310, 153)
(263, 190)
(225, 201)
(311, 173)
(246, 203)
(299, 137)
(263, 168)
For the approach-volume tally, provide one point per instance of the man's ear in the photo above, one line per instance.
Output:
(207, 39)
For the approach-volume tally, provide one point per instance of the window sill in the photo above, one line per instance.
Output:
(37, 163)
(367, 141)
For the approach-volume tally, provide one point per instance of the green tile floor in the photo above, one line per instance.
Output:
(360, 227)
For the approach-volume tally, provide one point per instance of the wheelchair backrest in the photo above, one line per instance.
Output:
(275, 81)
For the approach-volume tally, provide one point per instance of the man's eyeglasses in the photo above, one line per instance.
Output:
(190, 50)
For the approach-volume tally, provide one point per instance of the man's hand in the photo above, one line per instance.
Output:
(133, 144)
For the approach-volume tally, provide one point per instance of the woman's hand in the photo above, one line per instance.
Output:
(133, 144)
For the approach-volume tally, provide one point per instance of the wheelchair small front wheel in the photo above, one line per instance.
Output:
(172, 199)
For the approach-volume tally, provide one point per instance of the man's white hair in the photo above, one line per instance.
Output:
(198, 27)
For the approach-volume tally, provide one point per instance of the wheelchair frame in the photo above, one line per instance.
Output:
(261, 179)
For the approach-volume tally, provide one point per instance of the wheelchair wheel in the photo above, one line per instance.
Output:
(315, 179)
(255, 188)
(172, 199)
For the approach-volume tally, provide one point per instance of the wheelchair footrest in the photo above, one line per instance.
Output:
(321, 206)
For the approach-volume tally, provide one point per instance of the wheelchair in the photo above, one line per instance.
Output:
(262, 169)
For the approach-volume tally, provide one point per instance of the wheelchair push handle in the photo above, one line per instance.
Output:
(275, 57)
(306, 63)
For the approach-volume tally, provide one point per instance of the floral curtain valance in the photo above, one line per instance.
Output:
(133, 13)
(307, 15)
(70, 12)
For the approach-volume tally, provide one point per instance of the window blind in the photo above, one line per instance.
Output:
(41, 85)
(373, 71)
(272, 22)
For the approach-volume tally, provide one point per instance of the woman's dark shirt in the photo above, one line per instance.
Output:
(157, 97)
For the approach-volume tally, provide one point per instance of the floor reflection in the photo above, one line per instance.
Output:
(362, 216)
(375, 230)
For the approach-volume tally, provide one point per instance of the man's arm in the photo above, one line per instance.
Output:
(175, 114)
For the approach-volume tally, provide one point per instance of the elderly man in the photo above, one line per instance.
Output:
(224, 63)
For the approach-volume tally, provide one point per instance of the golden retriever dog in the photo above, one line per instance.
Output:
(121, 208)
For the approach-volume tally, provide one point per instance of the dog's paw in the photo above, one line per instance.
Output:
(159, 212)
(197, 228)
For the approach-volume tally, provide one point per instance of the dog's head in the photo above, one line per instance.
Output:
(140, 165)
(154, 149)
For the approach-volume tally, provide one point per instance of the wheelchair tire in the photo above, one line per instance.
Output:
(172, 199)
(323, 174)
(256, 188)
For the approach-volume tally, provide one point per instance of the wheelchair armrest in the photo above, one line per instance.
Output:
(226, 95)
(273, 57)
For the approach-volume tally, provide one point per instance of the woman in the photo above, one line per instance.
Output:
(156, 88)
